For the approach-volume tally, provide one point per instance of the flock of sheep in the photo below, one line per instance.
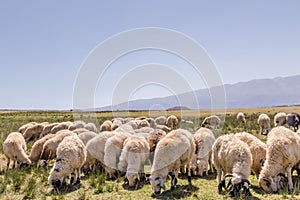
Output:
(122, 146)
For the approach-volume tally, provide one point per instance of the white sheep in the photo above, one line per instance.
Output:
(211, 121)
(14, 148)
(50, 146)
(163, 127)
(71, 155)
(293, 120)
(264, 123)
(37, 148)
(172, 121)
(151, 122)
(282, 155)
(241, 117)
(106, 126)
(80, 130)
(133, 158)
(142, 123)
(79, 124)
(232, 158)
(47, 129)
(87, 136)
(91, 127)
(33, 132)
(173, 152)
(257, 148)
(204, 140)
(280, 119)
(161, 120)
(60, 126)
(25, 126)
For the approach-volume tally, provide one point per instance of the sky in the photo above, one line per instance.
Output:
(44, 44)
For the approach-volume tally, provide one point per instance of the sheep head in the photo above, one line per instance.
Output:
(57, 174)
(268, 184)
(157, 183)
(236, 183)
(133, 178)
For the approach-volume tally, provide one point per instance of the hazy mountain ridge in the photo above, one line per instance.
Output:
(251, 94)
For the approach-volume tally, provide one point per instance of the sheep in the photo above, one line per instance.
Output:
(47, 129)
(173, 151)
(257, 148)
(151, 122)
(281, 156)
(106, 126)
(37, 148)
(125, 128)
(232, 158)
(280, 119)
(264, 123)
(91, 127)
(161, 120)
(33, 132)
(112, 151)
(79, 124)
(14, 148)
(116, 124)
(133, 124)
(87, 136)
(241, 117)
(25, 126)
(163, 127)
(50, 146)
(172, 121)
(71, 154)
(144, 130)
(293, 120)
(80, 130)
(142, 123)
(199, 166)
(211, 121)
(133, 158)
(128, 119)
(204, 140)
(60, 126)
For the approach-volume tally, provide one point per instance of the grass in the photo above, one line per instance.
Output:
(31, 182)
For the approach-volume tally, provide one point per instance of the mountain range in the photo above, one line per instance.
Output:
(280, 91)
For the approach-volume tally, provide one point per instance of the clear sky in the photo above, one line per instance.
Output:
(44, 43)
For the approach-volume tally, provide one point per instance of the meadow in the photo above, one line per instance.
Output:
(31, 182)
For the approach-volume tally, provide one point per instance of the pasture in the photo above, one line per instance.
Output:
(31, 182)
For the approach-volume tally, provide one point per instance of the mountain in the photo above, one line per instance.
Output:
(251, 94)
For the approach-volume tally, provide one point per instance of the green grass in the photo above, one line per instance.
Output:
(32, 183)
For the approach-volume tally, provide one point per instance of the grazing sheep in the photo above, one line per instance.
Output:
(282, 155)
(50, 146)
(241, 117)
(37, 148)
(142, 123)
(71, 155)
(293, 120)
(25, 126)
(87, 136)
(280, 119)
(14, 147)
(264, 123)
(80, 130)
(60, 126)
(173, 152)
(186, 123)
(112, 151)
(199, 166)
(106, 126)
(172, 121)
(232, 158)
(33, 132)
(91, 127)
(133, 158)
(128, 119)
(204, 140)
(163, 127)
(151, 122)
(79, 124)
(161, 120)
(257, 148)
(47, 129)
(211, 121)
(133, 124)
(116, 124)
(144, 130)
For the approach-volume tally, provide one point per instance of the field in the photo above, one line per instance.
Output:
(31, 182)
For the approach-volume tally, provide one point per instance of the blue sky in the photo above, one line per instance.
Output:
(44, 43)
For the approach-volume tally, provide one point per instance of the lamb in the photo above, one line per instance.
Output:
(50, 146)
(280, 119)
(71, 155)
(172, 121)
(133, 158)
(14, 148)
(47, 129)
(241, 117)
(25, 126)
(87, 136)
(257, 148)
(33, 132)
(112, 151)
(232, 158)
(211, 121)
(293, 120)
(106, 126)
(204, 140)
(161, 120)
(91, 127)
(282, 155)
(173, 151)
(37, 148)
(264, 123)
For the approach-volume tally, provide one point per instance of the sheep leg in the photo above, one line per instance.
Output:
(77, 176)
(14, 164)
(219, 176)
(290, 182)
(8, 162)
(173, 180)
(189, 173)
